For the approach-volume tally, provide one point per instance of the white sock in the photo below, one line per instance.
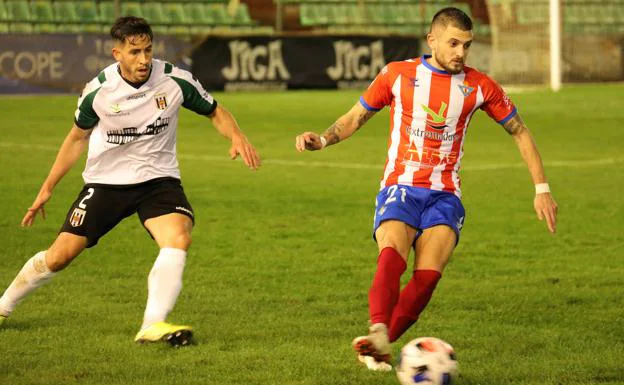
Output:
(164, 285)
(34, 274)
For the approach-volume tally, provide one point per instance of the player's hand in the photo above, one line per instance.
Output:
(37, 206)
(546, 208)
(242, 147)
(308, 141)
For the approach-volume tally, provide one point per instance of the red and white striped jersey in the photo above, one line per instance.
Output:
(429, 113)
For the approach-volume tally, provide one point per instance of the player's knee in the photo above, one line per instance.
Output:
(401, 248)
(58, 258)
(186, 240)
(65, 248)
(181, 241)
(395, 235)
(388, 239)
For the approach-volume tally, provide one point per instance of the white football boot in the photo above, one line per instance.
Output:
(376, 345)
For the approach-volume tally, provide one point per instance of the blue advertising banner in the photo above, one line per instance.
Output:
(64, 63)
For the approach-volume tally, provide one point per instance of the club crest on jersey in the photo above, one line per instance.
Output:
(437, 120)
(465, 89)
(77, 217)
(161, 101)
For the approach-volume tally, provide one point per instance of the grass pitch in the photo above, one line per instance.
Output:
(277, 277)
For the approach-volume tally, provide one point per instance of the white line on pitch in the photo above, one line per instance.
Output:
(355, 166)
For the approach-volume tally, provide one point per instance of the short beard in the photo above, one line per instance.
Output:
(446, 68)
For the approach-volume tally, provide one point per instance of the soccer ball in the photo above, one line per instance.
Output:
(427, 361)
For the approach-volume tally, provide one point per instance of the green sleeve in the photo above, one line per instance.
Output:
(193, 98)
(86, 117)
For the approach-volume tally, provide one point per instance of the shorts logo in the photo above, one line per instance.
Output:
(161, 101)
(77, 217)
(460, 223)
(184, 209)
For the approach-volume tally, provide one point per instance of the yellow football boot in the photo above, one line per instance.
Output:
(175, 335)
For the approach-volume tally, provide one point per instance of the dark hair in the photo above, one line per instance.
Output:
(127, 26)
(454, 16)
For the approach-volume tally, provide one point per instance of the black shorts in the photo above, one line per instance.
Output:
(100, 207)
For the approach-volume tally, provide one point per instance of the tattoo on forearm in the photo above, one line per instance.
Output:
(514, 125)
(363, 118)
(332, 134)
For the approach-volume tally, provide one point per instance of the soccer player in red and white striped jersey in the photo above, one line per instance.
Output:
(431, 99)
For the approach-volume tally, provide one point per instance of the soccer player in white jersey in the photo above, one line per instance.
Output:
(127, 117)
(431, 99)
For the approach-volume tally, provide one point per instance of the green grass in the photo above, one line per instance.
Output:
(277, 277)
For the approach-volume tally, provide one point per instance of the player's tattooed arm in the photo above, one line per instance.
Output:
(363, 117)
(515, 125)
(347, 124)
(343, 128)
(332, 134)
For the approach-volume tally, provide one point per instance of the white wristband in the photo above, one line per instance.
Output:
(323, 141)
(542, 188)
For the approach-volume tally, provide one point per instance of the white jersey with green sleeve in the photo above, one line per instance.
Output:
(134, 129)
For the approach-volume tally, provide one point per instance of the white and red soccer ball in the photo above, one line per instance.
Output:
(427, 361)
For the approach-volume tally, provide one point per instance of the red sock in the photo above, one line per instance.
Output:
(412, 301)
(384, 293)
